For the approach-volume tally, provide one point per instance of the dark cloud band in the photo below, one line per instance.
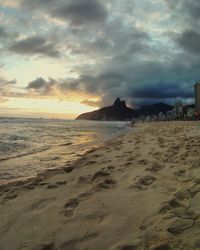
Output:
(35, 45)
(79, 12)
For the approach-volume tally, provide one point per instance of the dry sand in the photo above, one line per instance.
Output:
(139, 191)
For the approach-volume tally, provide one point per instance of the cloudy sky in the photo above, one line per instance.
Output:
(59, 58)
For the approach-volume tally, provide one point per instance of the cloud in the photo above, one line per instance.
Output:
(163, 91)
(140, 81)
(192, 7)
(10, 3)
(3, 99)
(80, 12)
(4, 82)
(91, 103)
(185, 10)
(7, 35)
(190, 41)
(42, 87)
(138, 50)
(37, 84)
(3, 33)
(29, 4)
(36, 45)
(7, 88)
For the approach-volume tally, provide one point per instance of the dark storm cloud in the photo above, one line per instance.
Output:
(41, 86)
(193, 7)
(190, 41)
(35, 45)
(81, 11)
(3, 32)
(37, 84)
(7, 34)
(117, 48)
(30, 4)
(163, 91)
(140, 81)
(77, 12)
(185, 8)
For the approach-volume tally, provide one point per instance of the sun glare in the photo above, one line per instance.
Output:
(53, 107)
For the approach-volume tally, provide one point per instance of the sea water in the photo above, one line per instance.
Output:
(31, 146)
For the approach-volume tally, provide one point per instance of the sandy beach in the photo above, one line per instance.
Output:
(139, 191)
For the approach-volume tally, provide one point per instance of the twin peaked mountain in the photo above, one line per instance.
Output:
(120, 112)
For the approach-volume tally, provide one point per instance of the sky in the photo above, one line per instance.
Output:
(60, 58)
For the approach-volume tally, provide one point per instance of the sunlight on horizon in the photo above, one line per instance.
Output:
(44, 108)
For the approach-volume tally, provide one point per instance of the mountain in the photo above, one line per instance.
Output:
(120, 112)
(117, 112)
(154, 109)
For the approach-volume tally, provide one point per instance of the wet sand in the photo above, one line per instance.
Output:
(139, 191)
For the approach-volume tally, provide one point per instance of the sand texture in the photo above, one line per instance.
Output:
(138, 191)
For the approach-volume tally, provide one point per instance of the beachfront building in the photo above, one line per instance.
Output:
(190, 112)
(177, 111)
(197, 97)
(160, 116)
(170, 115)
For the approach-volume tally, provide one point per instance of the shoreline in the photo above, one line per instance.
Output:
(72, 158)
(139, 190)
(8, 182)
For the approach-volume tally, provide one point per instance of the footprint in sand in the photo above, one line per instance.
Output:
(180, 225)
(56, 185)
(126, 247)
(90, 163)
(174, 205)
(74, 243)
(52, 186)
(68, 169)
(70, 206)
(10, 197)
(44, 246)
(41, 203)
(85, 179)
(85, 196)
(110, 167)
(164, 246)
(179, 210)
(195, 164)
(143, 182)
(99, 174)
(155, 167)
(183, 176)
(106, 184)
(142, 161)
(128, 164)
(197, 181)
(179, 203)
(98, 155)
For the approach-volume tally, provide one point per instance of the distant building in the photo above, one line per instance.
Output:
(170, 115)
(160, 115)
(197, 97)
(190, 112)
(178, 109)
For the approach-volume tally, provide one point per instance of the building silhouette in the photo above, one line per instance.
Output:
(197, 97)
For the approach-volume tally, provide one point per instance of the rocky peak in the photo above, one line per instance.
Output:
(119, 103)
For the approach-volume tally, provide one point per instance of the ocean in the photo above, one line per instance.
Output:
(30, 146)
